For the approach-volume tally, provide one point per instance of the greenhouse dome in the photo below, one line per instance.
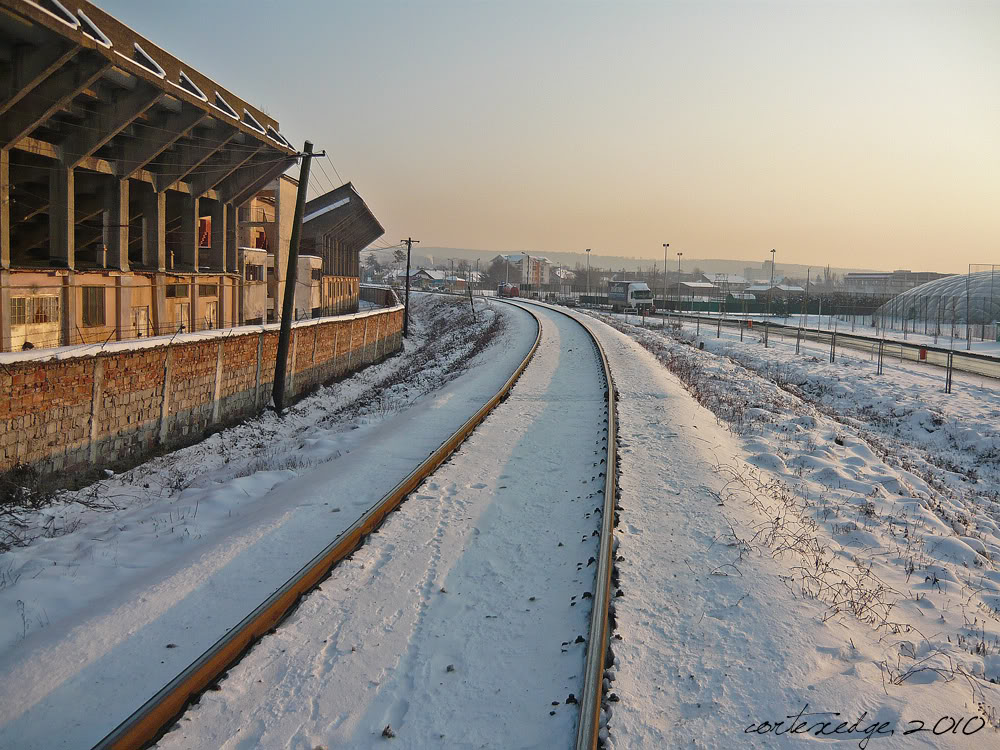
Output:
(967, 298)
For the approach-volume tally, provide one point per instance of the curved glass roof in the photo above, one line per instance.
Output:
(974, 296)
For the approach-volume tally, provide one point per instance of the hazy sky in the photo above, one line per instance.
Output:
(861, 134)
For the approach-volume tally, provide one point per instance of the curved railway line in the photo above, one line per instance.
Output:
(160, 712)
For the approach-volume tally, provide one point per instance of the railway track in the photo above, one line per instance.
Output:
(150, 722)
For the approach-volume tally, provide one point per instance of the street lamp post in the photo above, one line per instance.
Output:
(588, 272)
(665, 246)
(770, 290)
(808, 272)
(679, 281)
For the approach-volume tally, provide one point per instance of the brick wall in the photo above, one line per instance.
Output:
(114, 408)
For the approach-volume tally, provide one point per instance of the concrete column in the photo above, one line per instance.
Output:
(232, 238)
(4, 310)
(70, 307)
(116, 217)
(5, 219)
(219, 215)
(154, 230)
(187, 256)
(62, 216)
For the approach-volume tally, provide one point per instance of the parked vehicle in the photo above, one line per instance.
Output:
(630, 294)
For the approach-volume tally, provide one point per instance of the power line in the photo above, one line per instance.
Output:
(335, 169)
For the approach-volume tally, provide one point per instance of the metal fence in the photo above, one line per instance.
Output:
(879, 349)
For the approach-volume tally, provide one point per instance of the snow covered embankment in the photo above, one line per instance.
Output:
(59, 559)
(880, 506)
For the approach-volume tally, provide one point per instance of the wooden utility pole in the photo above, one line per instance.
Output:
(288, 306)
(406, 308)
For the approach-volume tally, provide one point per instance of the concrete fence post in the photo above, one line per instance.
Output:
(260, 363)
(364, 343)
(378, 327)
(336, 338)
(96, 396)
(350, 344)
(165, 396)
(217, 391)
(290, 389)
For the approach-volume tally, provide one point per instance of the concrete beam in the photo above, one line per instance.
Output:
(242, 186)
(186, 158)
(221, 166)
(151, 140)
(49, 96)
(29, 67)
(107, 121)
(94, 164)
(85, 207)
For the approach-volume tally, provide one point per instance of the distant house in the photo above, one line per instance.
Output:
(698, 290)
(419, 277)
(778, 291)
(727, 283)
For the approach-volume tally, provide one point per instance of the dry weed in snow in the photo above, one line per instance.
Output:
(881, 506)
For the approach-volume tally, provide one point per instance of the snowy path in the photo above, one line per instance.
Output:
(455, 625)
(718, 639)
(69, 683)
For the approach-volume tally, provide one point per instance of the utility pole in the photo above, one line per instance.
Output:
(588, 271)
(288, 304)
(406, 305)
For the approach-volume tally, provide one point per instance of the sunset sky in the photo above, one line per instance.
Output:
(863, 134)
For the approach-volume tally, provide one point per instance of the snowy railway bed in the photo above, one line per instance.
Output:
(472, 604)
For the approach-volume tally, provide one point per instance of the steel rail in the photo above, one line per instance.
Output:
(598, 647)
(150, 721)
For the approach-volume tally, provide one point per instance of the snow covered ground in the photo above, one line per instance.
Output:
(110, 591)
(462, 622)
(809, 538)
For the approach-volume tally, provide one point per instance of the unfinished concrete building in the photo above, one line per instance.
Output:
(336, 227)
(123, 173)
